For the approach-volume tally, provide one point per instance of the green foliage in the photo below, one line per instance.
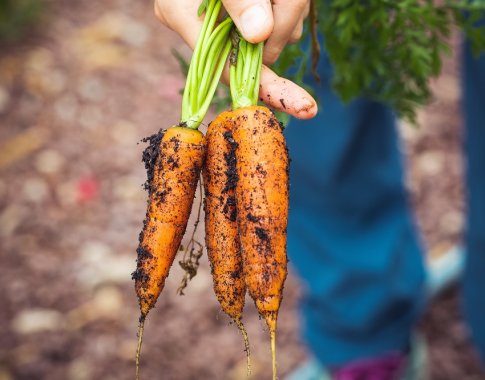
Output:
(16, 16)
(202, 7)
(182, 62)
(388, 50)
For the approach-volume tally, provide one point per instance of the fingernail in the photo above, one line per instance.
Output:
(253, 21)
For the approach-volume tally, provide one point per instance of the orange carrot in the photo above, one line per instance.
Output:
(262, 189)
(222, 238)
(171, 189)
(174, 161)
(262, 208)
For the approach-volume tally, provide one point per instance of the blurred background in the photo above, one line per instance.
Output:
(81, 83)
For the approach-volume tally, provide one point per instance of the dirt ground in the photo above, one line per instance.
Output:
(75, 98)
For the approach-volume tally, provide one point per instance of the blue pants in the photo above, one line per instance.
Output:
(351, 235)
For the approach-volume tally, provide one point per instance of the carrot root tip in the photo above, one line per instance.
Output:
(141, 327)
(273, 352)
(247, 349)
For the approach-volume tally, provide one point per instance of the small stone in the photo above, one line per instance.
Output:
(10, 219)
(92, 89)
(25, 354)
(128, 188)
(66, 108)
(37, 320)
(39, 59)
(126, 349)
(5, 374)
(35, 190)
(94, 259)
(93, 251)
(54, 83)
(124, 133)
(49, 161)
(3, 189)
(108, 301)
(134, 33)
(431, 163)
(48, 82)
(448, 88)
(452, 222)
(29, 105)
(80, 369)
(202, 282)
(409, 133)
(4, 99)
(90, 117)
(67, 193)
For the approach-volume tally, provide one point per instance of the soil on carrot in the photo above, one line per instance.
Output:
(150, 155)
(74, 101)
(230, 158)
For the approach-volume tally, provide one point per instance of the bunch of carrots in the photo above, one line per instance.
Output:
(244, 164)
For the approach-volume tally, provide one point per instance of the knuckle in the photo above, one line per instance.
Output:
(271, 56)
(296, 35)
(301, 4)
(158, 12)
(161, 12)
(306, 12)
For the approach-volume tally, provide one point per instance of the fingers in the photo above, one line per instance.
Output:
(297, 32)
(286, 96)
(279, 93)
(181, 17)
(282, 94)
(287, 19)
(253, 18)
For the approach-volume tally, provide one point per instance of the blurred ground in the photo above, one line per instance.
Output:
(74, 101)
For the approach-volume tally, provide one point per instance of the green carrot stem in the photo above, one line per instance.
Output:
(241, 61)
(215, 38)
(207, 36)
(255, 95)
(199, 116)
(245, 74)
(213, 7)
(220, 36)
(233, 85)
(209, 57)
(187, 101)
(249, 64)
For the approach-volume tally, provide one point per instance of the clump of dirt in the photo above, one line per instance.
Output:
(150, 155)
(230, 158)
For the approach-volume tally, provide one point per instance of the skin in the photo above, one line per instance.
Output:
(172, 191)
(277, 22)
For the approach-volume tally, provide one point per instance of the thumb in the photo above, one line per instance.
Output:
(253, 18)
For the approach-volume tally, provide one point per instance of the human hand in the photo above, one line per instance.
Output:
(257, 21)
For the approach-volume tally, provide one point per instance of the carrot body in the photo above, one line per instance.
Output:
(222, 235)
(222, 238)
(262, 206)
(171, 193)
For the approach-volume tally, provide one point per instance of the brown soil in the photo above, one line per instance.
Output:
(75, 100)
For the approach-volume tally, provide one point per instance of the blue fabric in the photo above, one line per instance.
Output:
(351, 237)
(474, 280)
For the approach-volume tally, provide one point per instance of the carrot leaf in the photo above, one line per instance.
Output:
(385, 50)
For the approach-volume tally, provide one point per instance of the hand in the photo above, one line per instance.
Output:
(258, 21)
